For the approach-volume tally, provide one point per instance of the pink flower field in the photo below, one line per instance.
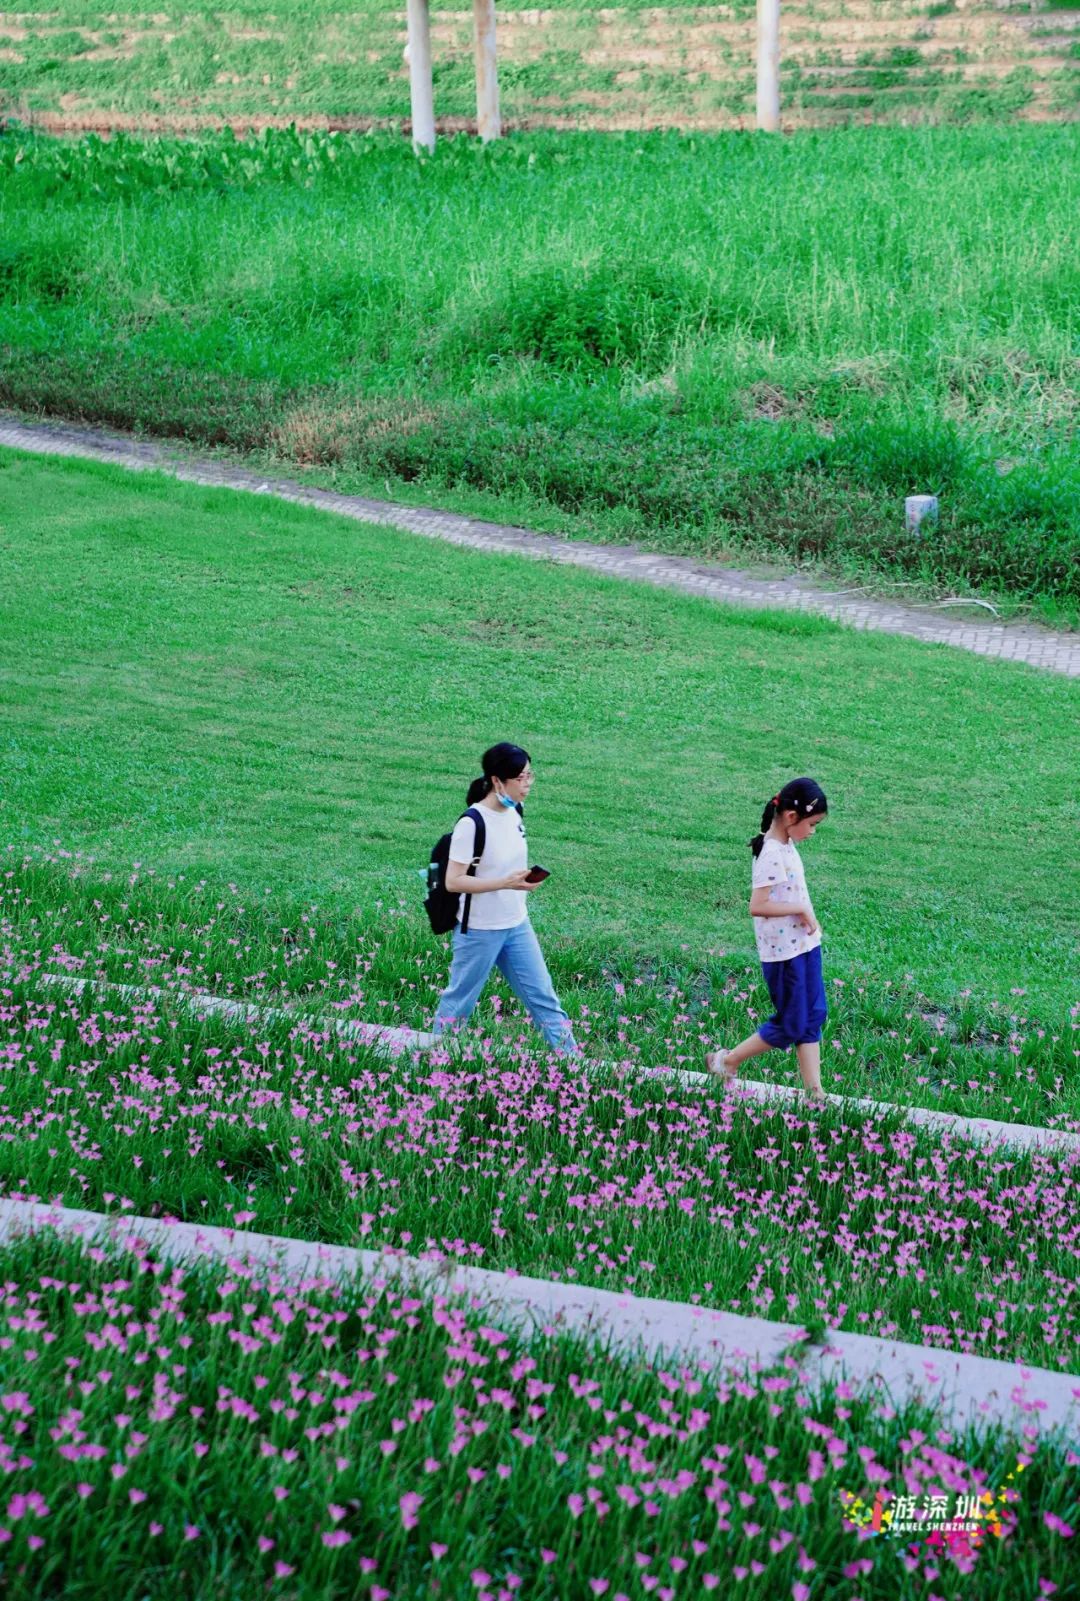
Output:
(223, 1432)
(220, 1432)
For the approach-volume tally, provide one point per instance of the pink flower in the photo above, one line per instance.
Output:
(1058, 1525)
(335, 1537)
(157, 1528)
(800, 1591)
(282, 1570)
(265, 1543)
(135, 1496)
(191, 1531)
(598, 1586)
(410, 1504)
(547, 1556)
(438, 1551)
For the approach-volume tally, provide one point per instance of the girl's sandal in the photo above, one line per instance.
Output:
(723, 1071)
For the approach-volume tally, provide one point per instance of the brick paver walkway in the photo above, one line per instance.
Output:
(1020, 642)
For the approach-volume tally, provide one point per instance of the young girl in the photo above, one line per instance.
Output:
(788, 938)
(498, 932)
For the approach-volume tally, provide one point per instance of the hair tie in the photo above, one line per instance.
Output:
(776, 800)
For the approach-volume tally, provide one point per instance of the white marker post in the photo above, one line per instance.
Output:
(488, 125)
(768, 65)
(418, 54)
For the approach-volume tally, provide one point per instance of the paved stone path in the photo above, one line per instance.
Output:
(976, 1389)
(393, 1042)
(1020, 642)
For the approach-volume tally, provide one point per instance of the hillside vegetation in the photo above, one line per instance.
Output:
(846, 318)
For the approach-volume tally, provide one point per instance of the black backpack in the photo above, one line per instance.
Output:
(440, 904)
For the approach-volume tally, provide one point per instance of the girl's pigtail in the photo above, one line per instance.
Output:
(477, 790)
(766, 823)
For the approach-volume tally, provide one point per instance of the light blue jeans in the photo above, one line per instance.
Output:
(516, 953)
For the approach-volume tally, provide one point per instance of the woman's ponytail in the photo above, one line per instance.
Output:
(802, 795)
(503, 761)
(477, 790)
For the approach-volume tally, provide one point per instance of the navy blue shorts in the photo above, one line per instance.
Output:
(798, 993)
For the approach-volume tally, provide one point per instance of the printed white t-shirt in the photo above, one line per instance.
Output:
(505, 851)
(779, 869)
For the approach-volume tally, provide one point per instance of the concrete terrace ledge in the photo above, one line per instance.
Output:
(971, 1390)
(394, 1042)
(1020, 642)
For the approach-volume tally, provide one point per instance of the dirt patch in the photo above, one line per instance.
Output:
(770, 403)
(317, 434)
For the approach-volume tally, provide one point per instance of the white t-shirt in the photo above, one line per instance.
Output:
(505, 851)
(779, 869)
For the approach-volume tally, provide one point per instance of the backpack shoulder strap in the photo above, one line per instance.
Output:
(478, 851)
(481, 836)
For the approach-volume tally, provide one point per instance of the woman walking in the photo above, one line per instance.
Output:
(788, 938)
(493, 928)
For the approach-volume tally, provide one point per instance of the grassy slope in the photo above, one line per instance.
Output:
(807, 357)
(615, 1179)
(202, 681)
(494, 1438)
(241, 64)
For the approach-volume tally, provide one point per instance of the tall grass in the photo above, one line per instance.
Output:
(701, 342)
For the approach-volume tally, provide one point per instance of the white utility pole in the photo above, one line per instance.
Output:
(418, 53)
(488, 125)
(768, 65)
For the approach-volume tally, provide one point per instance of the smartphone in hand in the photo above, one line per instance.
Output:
(537, 875)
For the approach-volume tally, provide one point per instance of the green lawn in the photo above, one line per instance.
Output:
(511, 329)
(210, 683)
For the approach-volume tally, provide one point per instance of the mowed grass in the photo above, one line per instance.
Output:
(215, 684)
(847, 318)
